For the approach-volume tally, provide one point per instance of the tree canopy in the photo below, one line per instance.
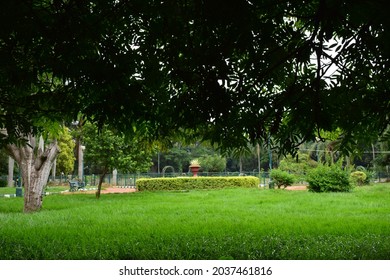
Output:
(108, 150)
(231, 71)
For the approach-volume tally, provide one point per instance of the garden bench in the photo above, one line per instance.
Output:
(76, 185)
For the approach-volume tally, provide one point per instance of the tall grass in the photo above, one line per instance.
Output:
(233, 223)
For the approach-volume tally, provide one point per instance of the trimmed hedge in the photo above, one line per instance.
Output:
(192, 183)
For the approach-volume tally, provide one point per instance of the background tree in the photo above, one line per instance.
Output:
(180, 153)
(250, 158)
(66, 158)
(110, 150)
(298, 165)
(213, 163)
(381, 156)
(178, 156)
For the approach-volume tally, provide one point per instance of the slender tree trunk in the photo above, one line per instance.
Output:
(54, 169)
(35, 162)
(240, 162)
(80, 167)
(258, 158)
(11, 164)
(101, 179)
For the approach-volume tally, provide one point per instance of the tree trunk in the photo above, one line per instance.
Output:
(11, 164)
(35, 162)
(54, 169)
(80, 167)
(101, 179)
(258, 158)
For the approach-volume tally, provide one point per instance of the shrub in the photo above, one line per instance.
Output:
(358, 178)
(328, 179)
(3, 183)
(192, 183)
(282, 178)
(298, 165)
(213, 163)
(369, 174)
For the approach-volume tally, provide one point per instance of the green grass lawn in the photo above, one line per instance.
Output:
(12, 190)
(7, 190)
(214, 224)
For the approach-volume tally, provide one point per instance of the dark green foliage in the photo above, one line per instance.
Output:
(282, 178)
(222, 68)
(110, 149)
(3, 162)
(326, 178)
(184, 149)
(192, 183)
(3, 183)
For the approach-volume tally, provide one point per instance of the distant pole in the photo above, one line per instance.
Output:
(115, 177)
(11, 163)
(269, 152)
(158, 162)
(81, 162)
(258, 157)
(270, 162)
(53, 169)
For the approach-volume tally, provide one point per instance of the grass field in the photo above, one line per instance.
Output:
(9, 190)
(214, 224)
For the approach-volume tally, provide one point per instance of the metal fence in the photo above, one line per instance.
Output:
(129, 180)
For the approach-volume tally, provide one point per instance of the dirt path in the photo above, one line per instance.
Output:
(130, 190)
(119, 190)
(106, 190)
(297, 188)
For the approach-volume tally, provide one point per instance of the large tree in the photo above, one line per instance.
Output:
(229, 70)
(35, 160)
(225, 68)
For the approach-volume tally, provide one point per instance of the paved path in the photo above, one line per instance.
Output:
(297, 188)
(106, 190)
(118, 190)
(130, 190)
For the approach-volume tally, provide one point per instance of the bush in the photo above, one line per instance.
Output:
(282, 178)
(3, 183)
(213, 163)
(369, 174)
(328, 179)
(192, 183)
(358, 178)
(298, 165)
